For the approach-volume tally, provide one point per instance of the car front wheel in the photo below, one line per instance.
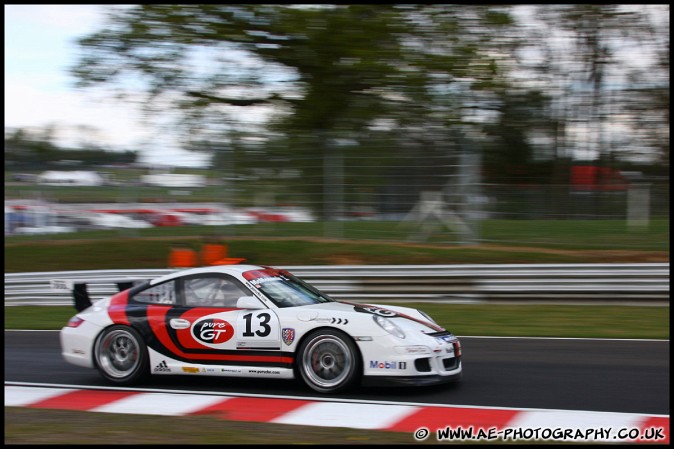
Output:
(121, 355)
(328, 361)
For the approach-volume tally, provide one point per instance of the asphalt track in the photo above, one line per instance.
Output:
(630, 376)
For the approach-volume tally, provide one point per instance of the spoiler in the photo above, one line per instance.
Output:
(78, 287)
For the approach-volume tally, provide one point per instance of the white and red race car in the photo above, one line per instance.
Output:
(254, 321)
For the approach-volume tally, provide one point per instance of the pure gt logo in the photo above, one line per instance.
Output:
(213, 331)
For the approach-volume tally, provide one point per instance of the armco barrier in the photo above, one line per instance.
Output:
(389, 283)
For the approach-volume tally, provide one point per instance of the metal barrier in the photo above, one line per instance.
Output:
(396, 283)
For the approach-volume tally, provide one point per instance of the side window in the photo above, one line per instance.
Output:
(159, 294)
(212, 291)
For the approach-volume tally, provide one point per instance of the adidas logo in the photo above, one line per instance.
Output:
(162, 367)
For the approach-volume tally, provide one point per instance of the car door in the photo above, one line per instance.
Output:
(205, 327)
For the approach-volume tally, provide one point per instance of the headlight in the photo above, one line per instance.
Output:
(388, 326)
(425, 315)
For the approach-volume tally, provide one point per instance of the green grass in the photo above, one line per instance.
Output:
(37, 317)
(137, 253)
(28, 426)
(557, 234)
(364, 243)
(526, 320)
(579, 234)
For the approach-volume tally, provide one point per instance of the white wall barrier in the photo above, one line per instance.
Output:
(597, 283)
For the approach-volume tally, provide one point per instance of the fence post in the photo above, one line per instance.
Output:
(638, 206)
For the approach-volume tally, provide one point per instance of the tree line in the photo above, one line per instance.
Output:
(29, 150)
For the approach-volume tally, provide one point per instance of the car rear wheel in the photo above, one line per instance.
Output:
(121, 355)
(328, 361)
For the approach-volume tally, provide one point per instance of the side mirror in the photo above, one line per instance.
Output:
(248, 302)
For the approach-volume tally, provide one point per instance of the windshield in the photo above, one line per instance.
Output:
(284, 289)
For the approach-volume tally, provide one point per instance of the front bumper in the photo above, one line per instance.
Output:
(416, 360)
(411, 381)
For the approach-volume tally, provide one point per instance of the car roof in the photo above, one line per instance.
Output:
(234, 269)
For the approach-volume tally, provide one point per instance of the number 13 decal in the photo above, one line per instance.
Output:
(259, 329)
(257, 325)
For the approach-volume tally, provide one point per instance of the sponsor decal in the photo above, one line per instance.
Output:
(255, 274)
(258, 281)
(190, 369)
(263, 371)
(57, 284)
(162, 368)
(212, 331)
(254, 289)
(376, 310)
(332, 320)
(231, 370)
(390, 314)
(207, 370)
(288, 335)
(387, 365)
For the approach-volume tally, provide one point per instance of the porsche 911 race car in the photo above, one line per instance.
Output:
(253, 321)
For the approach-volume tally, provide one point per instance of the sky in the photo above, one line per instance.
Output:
(40, 46)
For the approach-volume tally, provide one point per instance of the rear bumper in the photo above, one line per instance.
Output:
(77, 344)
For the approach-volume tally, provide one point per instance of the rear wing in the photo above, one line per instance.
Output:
(78, 287)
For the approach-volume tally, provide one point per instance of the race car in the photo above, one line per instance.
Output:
(253, 321)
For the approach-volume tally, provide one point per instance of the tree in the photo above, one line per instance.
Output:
(325, 73)
(610, 89)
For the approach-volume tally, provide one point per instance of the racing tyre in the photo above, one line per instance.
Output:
(328, 361)
(121, 355)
